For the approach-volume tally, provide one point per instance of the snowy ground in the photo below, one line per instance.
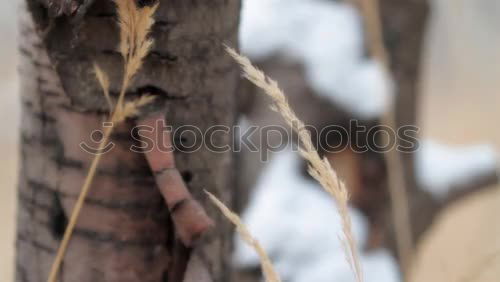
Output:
(297, 223)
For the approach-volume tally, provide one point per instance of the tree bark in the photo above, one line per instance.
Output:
(125, 232)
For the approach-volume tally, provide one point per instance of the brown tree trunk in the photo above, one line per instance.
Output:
(124, 232)
(404, 28)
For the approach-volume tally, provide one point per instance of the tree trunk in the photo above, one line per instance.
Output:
(404, 27)
(125, 232)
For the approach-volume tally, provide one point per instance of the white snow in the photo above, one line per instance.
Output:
(440, 167)
(327, 38)
(378, 266)
(298, 225)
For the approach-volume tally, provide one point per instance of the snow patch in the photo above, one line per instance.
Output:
(378, 266)
(440, 167)
(327, 38)
(297, 223)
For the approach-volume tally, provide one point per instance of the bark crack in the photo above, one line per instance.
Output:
(58, 218)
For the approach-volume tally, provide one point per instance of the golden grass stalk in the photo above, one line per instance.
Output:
(103, 80)
(131, 108)
(370, 12)
(270, 274)
(135, 25)
(319, 169)
(77, 208)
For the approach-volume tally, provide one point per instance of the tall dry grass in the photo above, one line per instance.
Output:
(270, 274)
(319, 169)
(135, 24)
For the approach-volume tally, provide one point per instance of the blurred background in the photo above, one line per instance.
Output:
(458, 109)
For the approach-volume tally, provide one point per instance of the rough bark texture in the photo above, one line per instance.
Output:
(124, 232)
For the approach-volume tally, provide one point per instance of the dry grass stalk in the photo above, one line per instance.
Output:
(370, 11)
(135, 44)
(135, 25)
(319, 168)
(132, 108)
(103, 80)
(270, 274)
